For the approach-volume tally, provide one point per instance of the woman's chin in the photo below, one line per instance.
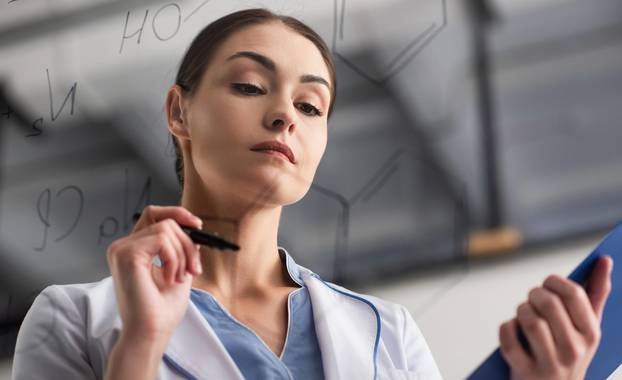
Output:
(270, 175)
(263, 184)
(272, 191)
(279, 185)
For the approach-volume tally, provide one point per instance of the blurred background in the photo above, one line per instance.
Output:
(474, 148)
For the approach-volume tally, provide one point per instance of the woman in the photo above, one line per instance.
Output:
(247, 78)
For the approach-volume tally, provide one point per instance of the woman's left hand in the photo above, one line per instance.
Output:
(561, 322)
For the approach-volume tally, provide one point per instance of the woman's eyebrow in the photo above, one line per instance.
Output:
(270, 65)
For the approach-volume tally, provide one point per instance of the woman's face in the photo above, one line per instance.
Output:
(264, 83)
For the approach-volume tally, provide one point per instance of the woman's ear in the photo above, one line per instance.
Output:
(175, 113)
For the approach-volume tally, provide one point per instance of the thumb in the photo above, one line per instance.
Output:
(599, 285)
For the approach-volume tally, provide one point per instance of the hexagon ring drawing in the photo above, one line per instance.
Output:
(378, 39)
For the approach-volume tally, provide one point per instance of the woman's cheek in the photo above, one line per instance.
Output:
(314, 162)
(321, 143)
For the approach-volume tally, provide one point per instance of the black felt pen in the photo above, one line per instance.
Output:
(202, 237)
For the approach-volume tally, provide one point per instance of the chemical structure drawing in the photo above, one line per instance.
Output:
(373, 185)
(356, 27)
(171, 11)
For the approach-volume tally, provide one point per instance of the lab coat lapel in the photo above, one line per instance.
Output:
(347, 328)
(195, 348)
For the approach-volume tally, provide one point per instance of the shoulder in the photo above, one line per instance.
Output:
(85, 311)
(88, 309)
(72, 298)
(78, 299)
(79, 292)
(57, 331)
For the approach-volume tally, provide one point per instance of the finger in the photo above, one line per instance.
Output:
(538, 334)
(153, 214)
(172, 229)
(599, 285)
(576, 302)
(155, 244)
(140, 249)
(550, 307)
(511, 349)
(131, 250)
(169, 257)
(190, 252)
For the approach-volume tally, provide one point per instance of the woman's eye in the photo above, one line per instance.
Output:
(247, 88)
(251, 89)
(310, 109)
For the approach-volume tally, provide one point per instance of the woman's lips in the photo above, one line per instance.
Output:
(273, 153)
(275, 147)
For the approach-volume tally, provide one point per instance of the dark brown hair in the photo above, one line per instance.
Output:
(197, 57)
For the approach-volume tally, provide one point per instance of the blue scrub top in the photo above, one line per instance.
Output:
(301, 357)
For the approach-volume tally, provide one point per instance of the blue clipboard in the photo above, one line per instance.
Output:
(608, 357)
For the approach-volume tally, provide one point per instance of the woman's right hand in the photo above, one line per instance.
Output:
(152, 300)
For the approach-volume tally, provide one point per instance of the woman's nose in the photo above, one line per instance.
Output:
(281, 120)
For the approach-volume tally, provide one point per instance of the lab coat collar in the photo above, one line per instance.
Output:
(292, 268)
(347, 327)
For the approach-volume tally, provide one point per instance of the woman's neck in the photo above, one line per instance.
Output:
(256, 267)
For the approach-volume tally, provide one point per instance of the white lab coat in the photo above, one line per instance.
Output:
(70, 330)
